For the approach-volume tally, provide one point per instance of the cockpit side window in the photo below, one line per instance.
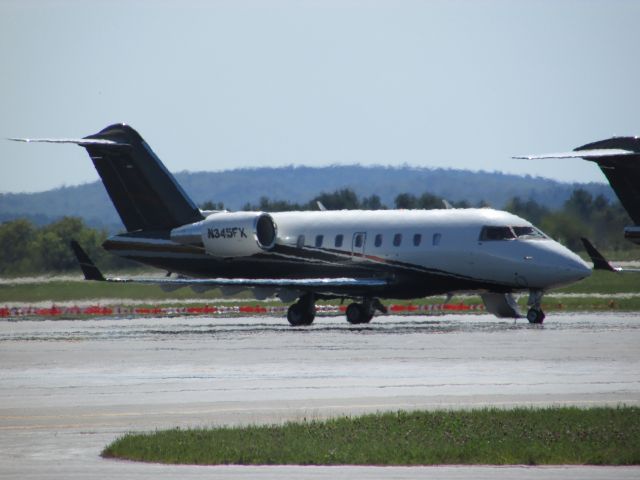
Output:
(529, 233)
(496, 233)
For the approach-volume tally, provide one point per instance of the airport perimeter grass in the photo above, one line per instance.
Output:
(595, 436)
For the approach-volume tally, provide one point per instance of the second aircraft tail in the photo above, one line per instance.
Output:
(619, 160)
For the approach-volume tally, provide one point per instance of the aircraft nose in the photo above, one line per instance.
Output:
(575, 269)
(561, 266)
(569, 268)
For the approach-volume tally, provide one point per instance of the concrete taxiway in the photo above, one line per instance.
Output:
(68, 388)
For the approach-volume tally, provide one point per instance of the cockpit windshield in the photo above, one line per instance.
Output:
(496, 233)
(490, 233)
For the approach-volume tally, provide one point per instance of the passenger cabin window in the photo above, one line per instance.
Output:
(417, 238)
(496, 233)
(339, 239)
(319, 239)
(436, 239)
(357, 241)
(397, 239)
(300, 242)
(378, 240)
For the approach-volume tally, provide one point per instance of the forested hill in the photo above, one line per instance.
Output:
(236, 188)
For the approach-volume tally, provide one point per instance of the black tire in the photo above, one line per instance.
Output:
(535, 315)
(298, 316)
(367, 318)
(355, 313)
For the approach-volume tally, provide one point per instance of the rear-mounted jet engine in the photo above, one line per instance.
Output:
(230, 234)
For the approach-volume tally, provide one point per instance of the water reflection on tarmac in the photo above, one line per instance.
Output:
(67, 388)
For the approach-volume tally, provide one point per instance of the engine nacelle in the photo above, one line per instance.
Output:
(230, 234)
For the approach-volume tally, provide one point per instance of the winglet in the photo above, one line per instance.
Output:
(89, 269)
(599, 262)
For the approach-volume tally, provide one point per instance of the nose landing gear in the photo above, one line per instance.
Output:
(535, 313)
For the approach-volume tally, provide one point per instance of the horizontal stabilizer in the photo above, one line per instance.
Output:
(83, 142)
(586, 154)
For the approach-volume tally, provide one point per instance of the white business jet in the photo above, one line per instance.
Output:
(309, 256)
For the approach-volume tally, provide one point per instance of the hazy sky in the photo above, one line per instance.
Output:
(215, 85)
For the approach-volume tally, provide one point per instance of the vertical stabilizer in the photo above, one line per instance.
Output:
(145, 194)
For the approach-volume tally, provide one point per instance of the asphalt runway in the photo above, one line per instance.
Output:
(68, 388)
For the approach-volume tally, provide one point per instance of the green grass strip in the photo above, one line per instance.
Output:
(595, 436)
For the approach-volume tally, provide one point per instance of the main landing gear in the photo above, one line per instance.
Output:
(363, 312)
(535, 313)
(303, 312)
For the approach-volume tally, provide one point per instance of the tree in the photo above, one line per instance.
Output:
(372, 203)
(580, 204)
(529, 210)
(406, 201)
(16, 238)
(344, 199)
(429, 201)
(52, 243)
(565, 228)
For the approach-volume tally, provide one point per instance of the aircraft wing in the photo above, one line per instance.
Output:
(586, 154)
(316, 284)
(321, 285)
(600, 262)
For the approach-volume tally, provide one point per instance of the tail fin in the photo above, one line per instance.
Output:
(145, 194)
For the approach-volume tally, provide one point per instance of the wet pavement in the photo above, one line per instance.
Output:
(68, 388)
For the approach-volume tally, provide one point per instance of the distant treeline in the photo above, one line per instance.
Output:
(28, 249)
(298, 184)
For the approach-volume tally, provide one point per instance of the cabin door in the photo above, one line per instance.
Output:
(357, 246)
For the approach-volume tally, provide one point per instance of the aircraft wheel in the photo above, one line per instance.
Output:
(298, 315)
(535, 315)
(367, 318)
(356, 313)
